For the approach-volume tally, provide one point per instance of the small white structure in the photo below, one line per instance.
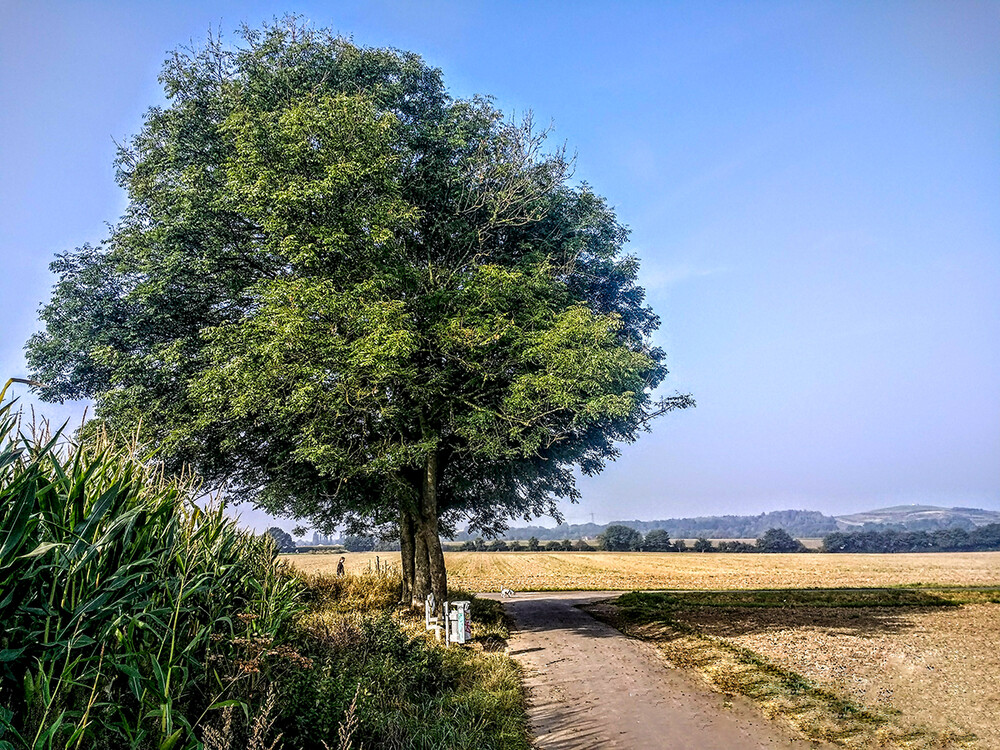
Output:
(430, 619)
(460, 622)
(457, 626)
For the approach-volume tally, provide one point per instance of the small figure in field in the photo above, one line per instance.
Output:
(506, 593)
(340, 567)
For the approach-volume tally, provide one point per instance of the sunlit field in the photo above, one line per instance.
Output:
(626, 571)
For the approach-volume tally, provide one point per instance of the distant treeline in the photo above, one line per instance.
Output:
(622, 538)
(619, 538)
(798, 523)
(632, 537)
(981, 539)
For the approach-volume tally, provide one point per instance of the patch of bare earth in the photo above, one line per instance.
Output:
(938, 668)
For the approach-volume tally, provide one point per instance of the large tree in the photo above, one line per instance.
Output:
(348, 297)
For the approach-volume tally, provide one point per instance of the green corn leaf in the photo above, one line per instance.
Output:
(171, 741)
(41, 549)
(11, 654)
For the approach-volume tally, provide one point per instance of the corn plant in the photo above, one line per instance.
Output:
(124, 606)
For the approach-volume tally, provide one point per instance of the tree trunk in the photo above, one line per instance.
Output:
(421, 566)
(406, 552)
(432, 539)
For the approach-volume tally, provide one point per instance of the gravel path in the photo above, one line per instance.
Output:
(589, 686)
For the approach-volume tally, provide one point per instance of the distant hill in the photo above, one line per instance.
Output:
(798, 523)
(920, 518)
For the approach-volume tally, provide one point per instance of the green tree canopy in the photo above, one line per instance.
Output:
(282, 539)
(779, 540)
(353, 299)
(657, 540)
(617, 538)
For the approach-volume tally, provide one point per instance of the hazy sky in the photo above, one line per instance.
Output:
(813, 189)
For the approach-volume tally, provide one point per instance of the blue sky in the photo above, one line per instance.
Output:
(813, 190)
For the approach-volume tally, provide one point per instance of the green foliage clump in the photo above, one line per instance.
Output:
(658, 540)
(620, 539)
(779, 540)
(364, 660)
(131, 618)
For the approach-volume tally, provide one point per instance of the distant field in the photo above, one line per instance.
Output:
(626, 571)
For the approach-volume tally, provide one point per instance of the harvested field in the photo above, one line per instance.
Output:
(936, 666)
(628, 571)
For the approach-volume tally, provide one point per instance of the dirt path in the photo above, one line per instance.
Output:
(589, 686)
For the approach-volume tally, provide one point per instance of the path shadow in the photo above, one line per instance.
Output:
(735, 613)
(553, 616)
(567, 727)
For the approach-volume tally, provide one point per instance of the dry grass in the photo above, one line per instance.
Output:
(629, 571)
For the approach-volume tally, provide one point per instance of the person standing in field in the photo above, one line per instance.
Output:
(340, 567)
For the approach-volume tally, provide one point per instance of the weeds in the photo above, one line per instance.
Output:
(381, 681)
(367, 592)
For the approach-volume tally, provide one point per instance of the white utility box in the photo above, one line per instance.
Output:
(460, 622)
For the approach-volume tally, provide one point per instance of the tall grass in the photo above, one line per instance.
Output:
(128, 615)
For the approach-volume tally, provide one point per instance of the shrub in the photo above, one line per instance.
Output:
(381, 674)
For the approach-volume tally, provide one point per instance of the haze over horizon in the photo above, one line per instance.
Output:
(813, 191)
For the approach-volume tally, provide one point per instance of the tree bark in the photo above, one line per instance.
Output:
(407, 551)
(421, 566)
(432, 539)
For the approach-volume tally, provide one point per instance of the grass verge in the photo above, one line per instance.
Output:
(377, 679)
(818, 713)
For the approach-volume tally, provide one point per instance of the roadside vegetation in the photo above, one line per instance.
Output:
(130, 617)
(818, 712)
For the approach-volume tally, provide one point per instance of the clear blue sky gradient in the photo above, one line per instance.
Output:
(813, 189)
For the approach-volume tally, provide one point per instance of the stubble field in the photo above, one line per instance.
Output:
(629, 571)
(936, 666)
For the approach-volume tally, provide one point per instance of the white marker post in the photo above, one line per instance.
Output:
(430, 619)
